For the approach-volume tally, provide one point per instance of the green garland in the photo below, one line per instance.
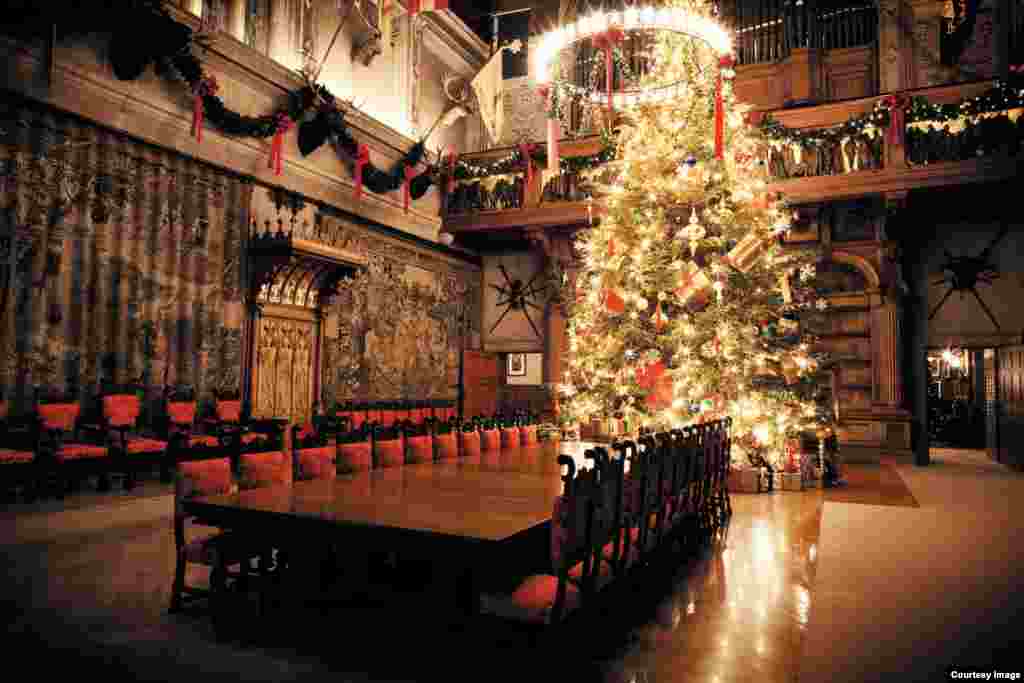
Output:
(145, 33)
(513, 163)
(1003, 95)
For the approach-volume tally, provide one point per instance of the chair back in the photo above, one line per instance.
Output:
(469, 444)
(447, 446)
(58, 417)
(197, 478)
(510, 437)
(490, 439)
(228, 411)
(120, 411)
(421, 449)
(258, 470)
(316, 463)
(388, 447)
(355, 452)
(570, 529)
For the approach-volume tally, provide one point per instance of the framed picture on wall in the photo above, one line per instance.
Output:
(517, 365)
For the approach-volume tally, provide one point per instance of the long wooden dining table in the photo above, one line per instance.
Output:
(461, 509)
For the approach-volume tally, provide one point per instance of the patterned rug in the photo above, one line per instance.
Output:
(872, 485)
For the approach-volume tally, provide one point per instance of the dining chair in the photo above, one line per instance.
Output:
(259, 470)
(447, 446)
(213, 548)
(469, 444)
(420, 449)
(132, 451)
(315, 454)
(490, 437)
(18, 461)
(184, 441)
(388, 447)
(68, 449)
(355, 451)
(546, 599)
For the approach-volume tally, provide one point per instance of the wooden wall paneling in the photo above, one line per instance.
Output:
(1011, 404)
(480, 383)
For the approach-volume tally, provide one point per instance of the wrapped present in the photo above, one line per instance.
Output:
(747, 480)
(745, 254)
(694, 282)
(792, 481)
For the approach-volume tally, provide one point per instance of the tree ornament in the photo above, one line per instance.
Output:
(659, 317)
(613, 303)
(694, 232)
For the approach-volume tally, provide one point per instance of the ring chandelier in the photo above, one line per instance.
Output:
(632, 19)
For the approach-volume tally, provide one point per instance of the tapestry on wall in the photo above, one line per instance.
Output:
(399, 334)
(125, 267)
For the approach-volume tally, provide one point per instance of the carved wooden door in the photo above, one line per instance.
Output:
(1010, 404)
(283, 377)
(480, 383)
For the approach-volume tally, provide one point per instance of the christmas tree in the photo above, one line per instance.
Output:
(687, 306)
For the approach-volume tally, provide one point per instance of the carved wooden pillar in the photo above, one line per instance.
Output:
(886, 334)
(893, 60)
(927, 28)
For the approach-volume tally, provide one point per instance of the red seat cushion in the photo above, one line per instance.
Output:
(265, 469)
(358, 418)
(203, 441)
(389, 453)
(11, 457)
(316, 463)
(60, 416)
(305, 431)
(470, 447)
(529, 434)
(203, 478)
(510, 437)
(142, 445)
(121, 410)
(253, 437)
(229, 411)
(490, 440)
(536, 596)
(421, 449)
(447, 446)
(181, 412)
(80, 451)
(354, 457)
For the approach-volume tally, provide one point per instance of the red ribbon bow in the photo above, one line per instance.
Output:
(453, 158)
(284, 124)
(897, 105)
(525, 151)
(362, 159)
(607, 41)
(410, 173)
(206, 86)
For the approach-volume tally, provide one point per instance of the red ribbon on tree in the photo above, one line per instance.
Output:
(284, 124)
(897, 105)
(647, 375)
(362, 159)
(525, 151)
(724, 63)
(607, 41)
(410, 173)
(206, 86)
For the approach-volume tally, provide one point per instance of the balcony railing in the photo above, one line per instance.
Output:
(769, 30)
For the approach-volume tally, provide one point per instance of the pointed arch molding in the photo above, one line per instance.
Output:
(860, 263)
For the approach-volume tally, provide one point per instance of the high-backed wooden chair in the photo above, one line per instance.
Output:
(490, 436)
(388, 447)
(215, 549)
(355, 451)
(132, 450)
(71, 451)
(548, 598)
(18, 461)
(315, 453)
(259, 470)
(231, 424)
(469, 444)
(184, 441)
(447, 445)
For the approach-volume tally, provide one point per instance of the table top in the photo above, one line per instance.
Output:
(490, 499)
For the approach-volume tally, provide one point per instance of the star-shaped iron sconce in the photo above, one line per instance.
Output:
(964, 273)
(515, 296)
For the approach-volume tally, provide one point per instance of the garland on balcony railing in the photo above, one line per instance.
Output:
(932, 132)
(144, 33)
(513, 162)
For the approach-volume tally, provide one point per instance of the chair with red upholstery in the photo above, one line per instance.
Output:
(70, 450)
(490, 436)
(232, 426)
(548, 598)
(259, 470)
(469, 443)
(447, 445)
(355, 451)
(218, 550)
(419, 444)
(132, 450)
(314, 453)
(528, 435)
(18, 462)
(510, 434)
(184, 441)
(388, 447)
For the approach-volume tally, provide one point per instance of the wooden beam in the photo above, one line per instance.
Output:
(560, 214)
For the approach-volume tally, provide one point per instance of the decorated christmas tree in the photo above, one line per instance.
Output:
(688, 305)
